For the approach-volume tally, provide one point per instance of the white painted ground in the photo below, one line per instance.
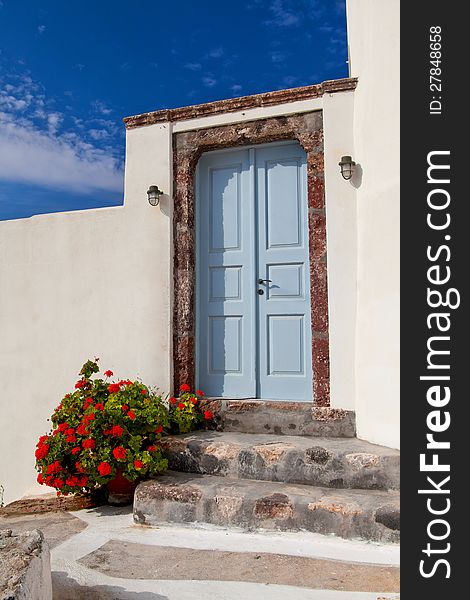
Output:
(109, 523)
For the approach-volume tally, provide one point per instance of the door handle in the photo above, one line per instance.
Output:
(264, 281)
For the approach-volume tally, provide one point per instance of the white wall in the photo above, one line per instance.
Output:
(79, 284)
(97, 282)
(341, 248)
(373, 32)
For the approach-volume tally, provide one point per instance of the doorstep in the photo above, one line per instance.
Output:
(280, 417)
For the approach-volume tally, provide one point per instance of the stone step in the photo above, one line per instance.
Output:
(329, 462)
(282, 417)
(192, 498)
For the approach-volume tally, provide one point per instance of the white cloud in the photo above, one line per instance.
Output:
(41, 29)
(290, 80)
(236, 87)
(36, 149)
(216, 52)
(65, 162)
(101, 108)
(291, 13)
(277, 57)
(98, 134)
(209, 81)
(8, 102)
(193, 66)
(54, 119)
(282, 16)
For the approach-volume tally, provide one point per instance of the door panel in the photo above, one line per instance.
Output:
(281, 202)
(225, 323)
(284, 338)
(252, 223)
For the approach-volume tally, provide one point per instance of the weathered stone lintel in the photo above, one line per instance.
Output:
(243, 103)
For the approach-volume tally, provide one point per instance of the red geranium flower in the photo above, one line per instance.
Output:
(40, 479)
(41, 452)
(87, 403)
(131, 415)
(208, 415)
(159, 429)
(114, 387)
(119, 453)
(71, 481)
(181, 406)
(89, 444)
(76, 450)
(54, 467)
(151, 448)
(88, 418)
(81, 430)
(58, 482)
(124, 407)
(143, 392)
(199, 393)
(117, 430)
(83, 480)
(99, 406)
(62, 426)
(173, 400)
(138, 464)
(80, 383)
(104, 469)
(193, 400)
(71, 439)
(184, 388)
(79, 467)
(108, 373)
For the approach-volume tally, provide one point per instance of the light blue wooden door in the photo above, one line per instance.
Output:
(225, 248)
(284, 322)
(253, 337)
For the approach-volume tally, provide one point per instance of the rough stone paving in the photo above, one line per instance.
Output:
(99, 554)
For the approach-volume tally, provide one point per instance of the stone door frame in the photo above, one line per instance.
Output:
(307, 129)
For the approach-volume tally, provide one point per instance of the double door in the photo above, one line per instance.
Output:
(253, 323)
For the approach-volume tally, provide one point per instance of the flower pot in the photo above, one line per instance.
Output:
(121, 490)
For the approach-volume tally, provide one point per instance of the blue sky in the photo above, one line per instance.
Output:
(70, 71)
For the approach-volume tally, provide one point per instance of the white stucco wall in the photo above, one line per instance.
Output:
(77, 285)
(97, 283)
(373, 33)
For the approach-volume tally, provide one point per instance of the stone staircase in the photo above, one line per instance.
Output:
(333, 484)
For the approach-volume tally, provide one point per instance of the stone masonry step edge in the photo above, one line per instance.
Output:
(330, 462)
(192, 498)
(281, 417)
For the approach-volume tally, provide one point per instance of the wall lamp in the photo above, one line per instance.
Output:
(154, 194)
(347, 167)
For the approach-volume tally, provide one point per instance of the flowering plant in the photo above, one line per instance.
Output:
(102, 428)
(186, 412)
